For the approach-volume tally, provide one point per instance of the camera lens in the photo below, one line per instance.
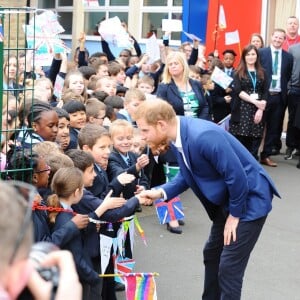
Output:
(40, 250)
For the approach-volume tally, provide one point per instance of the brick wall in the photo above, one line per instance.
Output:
(13, 31)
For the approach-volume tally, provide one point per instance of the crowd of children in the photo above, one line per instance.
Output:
(81, 149)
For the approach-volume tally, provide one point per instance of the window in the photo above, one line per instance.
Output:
(119, 2)
(65, 20)
(155, 2)
(108, 9)
(154, 11)
(150, 13)
(46, 4)
(65, 2)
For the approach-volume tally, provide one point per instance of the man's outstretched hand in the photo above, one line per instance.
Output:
(147, 197)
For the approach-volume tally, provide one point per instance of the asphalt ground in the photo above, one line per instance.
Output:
(273, 271)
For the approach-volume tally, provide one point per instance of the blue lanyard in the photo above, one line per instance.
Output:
(253, 79)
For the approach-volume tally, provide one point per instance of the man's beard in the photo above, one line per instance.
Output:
(160, 148)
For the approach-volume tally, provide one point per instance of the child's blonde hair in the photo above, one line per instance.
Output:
(134, 93)
(119, 124)
(147, 80)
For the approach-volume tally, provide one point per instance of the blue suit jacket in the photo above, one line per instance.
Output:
(75, 246)
(286, 67)
(221, 172)
(117, 165)
(170, 93)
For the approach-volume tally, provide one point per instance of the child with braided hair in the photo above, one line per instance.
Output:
(42, 122)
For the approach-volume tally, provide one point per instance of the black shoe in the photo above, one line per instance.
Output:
(289, 153)
(298, 164)
(119, 287)
(176, 230)
(297, 153)
(181, 222)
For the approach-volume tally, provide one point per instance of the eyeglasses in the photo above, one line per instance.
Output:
(25, 194)
(48, 169)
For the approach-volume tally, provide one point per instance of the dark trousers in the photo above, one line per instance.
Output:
(96, 289)
(251, 143)
(108, 288)
(293, 128)
(273, 115)
(225, 265)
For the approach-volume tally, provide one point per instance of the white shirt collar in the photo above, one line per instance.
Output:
(178, 143)
(274, 49)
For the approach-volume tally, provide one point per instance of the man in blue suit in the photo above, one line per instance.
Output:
(232, 186)
(278, 65)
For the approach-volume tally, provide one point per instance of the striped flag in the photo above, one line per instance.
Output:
(140, 287)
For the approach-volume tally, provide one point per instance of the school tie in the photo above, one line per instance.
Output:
(128, 161)
(275, 67)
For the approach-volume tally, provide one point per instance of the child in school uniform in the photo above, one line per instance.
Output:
(77, 113)
(146, 84)
(133, 98)
(67, 185)
(96, 140)
(122, 159)
(120, 208)
(43, 120)
(95, 111)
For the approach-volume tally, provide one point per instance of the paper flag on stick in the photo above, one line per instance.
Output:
(140, 287)
(222, 19)
(232, 37)
(152, 49)
(42, 34)
(169, 211)
(123, 266)
(112, 31)
(192, 36)
(221, 78)
(105, 249)
(171, 25)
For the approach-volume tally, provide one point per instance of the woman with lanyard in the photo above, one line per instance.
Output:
(249, 100)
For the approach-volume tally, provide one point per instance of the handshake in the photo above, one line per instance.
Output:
(148, 196)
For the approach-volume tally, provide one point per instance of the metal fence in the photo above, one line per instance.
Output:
(15, 94)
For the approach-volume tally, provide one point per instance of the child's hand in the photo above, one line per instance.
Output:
(82, 37)
(125, 178)
(143, 161)
(139, 189)
(81, 221)
(227, 98)
(113, 202)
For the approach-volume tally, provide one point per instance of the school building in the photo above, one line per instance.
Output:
(145, 17)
